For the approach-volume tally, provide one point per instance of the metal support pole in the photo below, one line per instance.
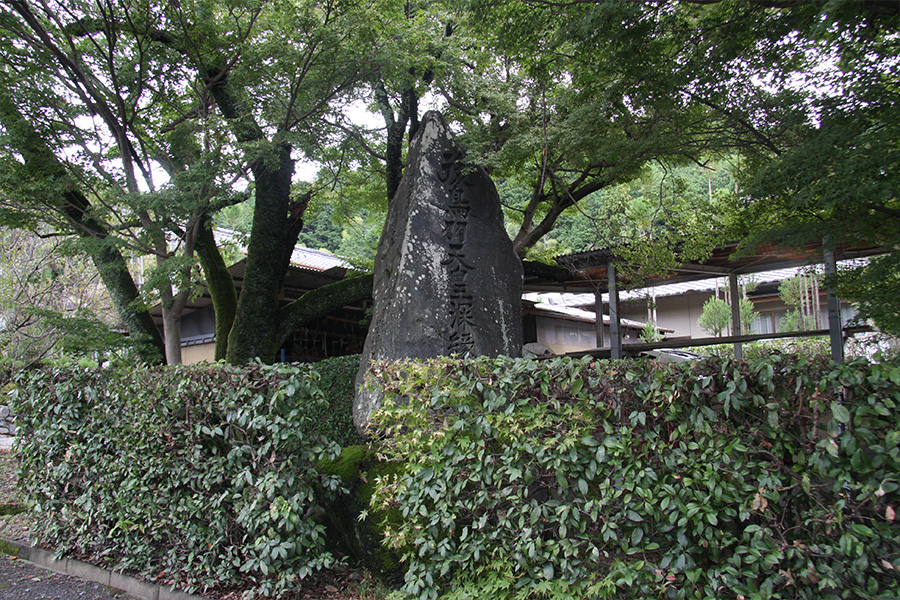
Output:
(615, 329)
(834, 308)
(735, 314)
(598, 310)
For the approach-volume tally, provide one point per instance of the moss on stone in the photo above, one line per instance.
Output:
(359, 470)
(11, 509)
(347, 464)
(8, 549)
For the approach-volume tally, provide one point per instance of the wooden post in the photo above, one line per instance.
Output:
(735, 314)
(834, 307)
(615, 329)
(598, 310)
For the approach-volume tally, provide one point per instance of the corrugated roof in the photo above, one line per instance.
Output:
(670, 289)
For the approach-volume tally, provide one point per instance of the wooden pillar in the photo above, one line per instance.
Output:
(834, 308)
(615, 329)
(735, 314)
(598, 310)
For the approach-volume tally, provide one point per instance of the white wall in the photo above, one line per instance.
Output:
(678, 313)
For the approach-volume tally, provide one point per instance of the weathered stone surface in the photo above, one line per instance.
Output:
(447, 280)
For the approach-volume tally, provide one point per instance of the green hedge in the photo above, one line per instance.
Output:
(337, 380)
(202, 476)
(773, 478)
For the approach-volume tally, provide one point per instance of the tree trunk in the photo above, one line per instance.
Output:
(530, 234)
(396, 129)
(125, 298)
(172, 329)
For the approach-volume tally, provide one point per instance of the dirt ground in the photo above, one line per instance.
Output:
(14, 527)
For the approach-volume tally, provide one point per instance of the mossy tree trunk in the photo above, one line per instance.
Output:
(253, 332)
(316, 304)
(258, 329)
(220, 284)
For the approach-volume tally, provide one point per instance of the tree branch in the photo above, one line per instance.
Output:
(321, 302)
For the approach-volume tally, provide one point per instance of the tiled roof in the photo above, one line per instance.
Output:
(317, 260)
(304, 258)
(577, 313)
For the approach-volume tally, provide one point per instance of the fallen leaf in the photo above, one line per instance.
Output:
(889, 513)
(759, 502)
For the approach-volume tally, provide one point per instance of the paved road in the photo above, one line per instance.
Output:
(21, 580)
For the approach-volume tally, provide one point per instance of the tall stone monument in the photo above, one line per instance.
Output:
(447, 280)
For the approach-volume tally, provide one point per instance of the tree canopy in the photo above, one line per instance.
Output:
(133, 126)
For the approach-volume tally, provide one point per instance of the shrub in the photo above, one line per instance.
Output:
(198, 476)
(771, 478)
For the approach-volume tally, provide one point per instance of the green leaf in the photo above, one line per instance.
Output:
(636, 536)
(840, 413)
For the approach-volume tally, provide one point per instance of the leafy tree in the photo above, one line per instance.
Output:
(53, 198)
(650, 333)
(561, 110)
(591, 109)
(76, 113)
(661, 205)
(875, 286)
(564, 100)
(748, 314)
(359, 241)
(320, 230)
(837, 179)
(801, 294)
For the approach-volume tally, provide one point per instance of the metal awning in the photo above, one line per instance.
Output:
(597, 272)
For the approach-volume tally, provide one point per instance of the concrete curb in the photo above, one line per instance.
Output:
(88, 572)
